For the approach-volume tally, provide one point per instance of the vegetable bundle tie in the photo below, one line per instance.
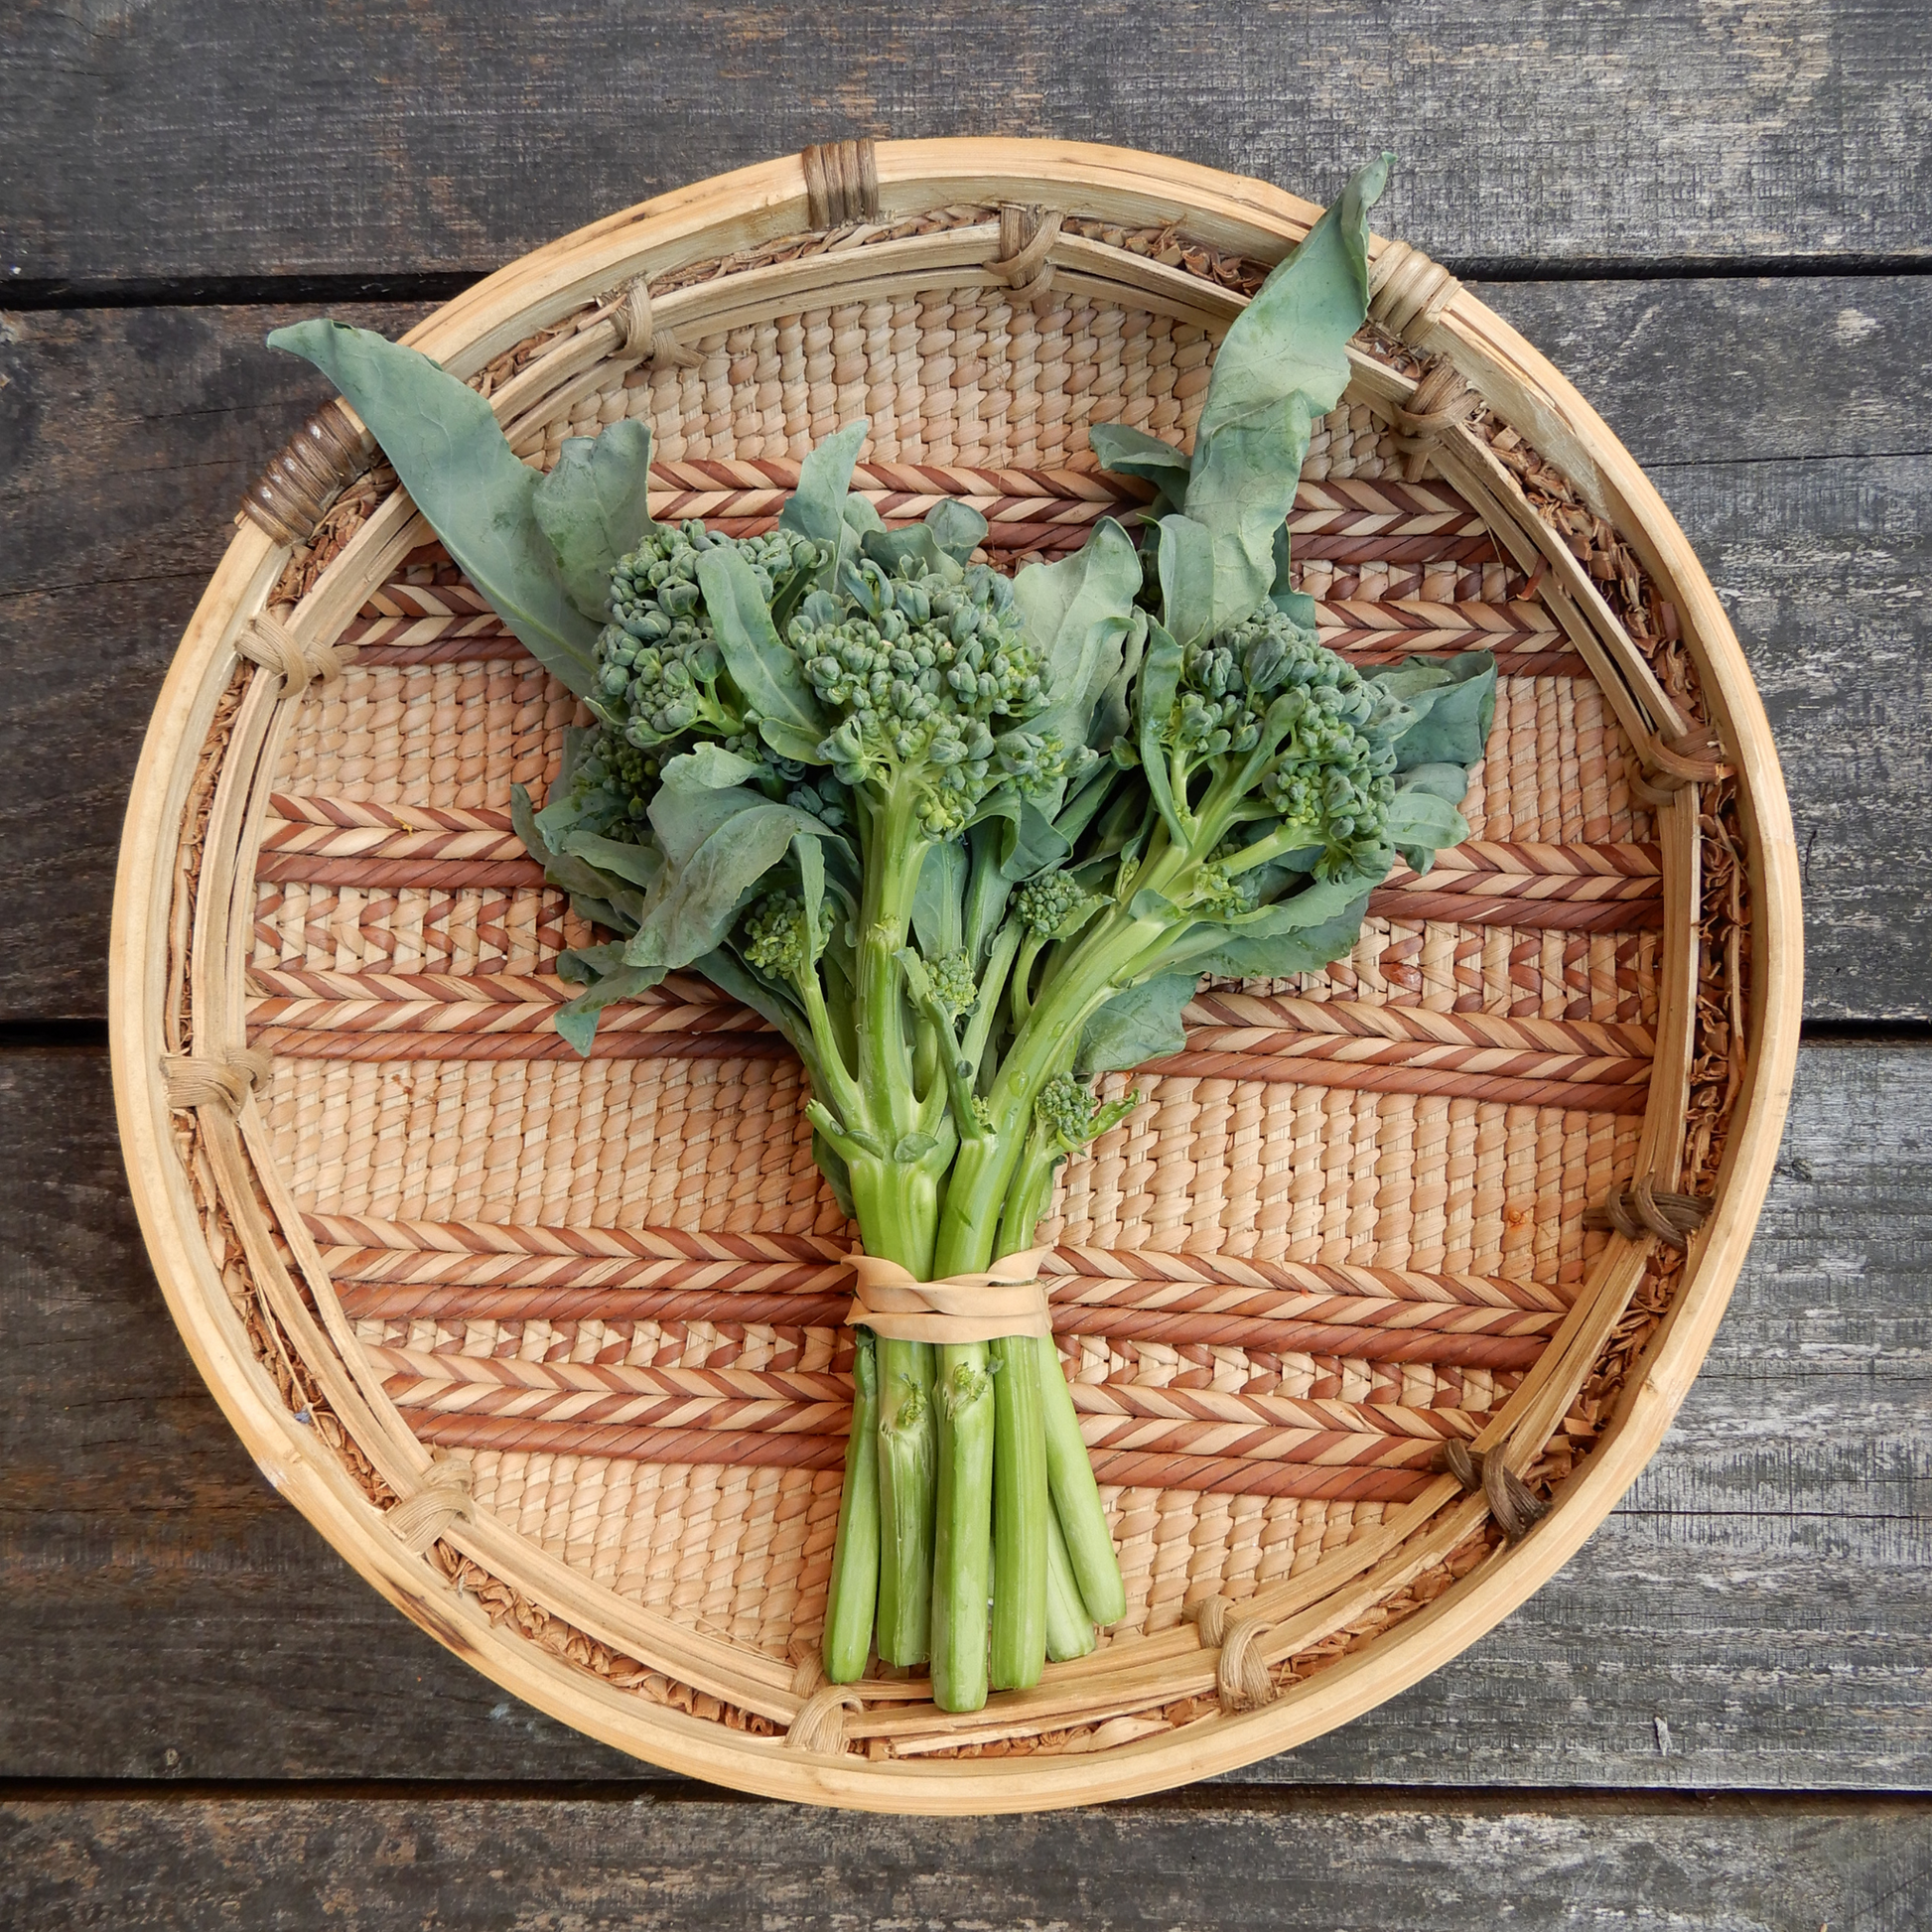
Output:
(966, 841)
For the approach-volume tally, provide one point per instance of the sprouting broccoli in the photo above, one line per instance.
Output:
(966, 840)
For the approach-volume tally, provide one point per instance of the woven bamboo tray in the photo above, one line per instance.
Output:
(1391, 1258)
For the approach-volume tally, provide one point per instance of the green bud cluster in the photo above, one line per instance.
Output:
(778, 940)
(926, 671)
(1069, 1114)
(1045, 903)
(1333, 771)
(660, 687)
(953, 985)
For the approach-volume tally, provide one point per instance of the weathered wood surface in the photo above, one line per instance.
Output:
(144, 142)
(1756, 1615)
(1301, 1861)
(1784, 420)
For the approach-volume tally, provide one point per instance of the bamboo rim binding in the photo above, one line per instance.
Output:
(276, 1284)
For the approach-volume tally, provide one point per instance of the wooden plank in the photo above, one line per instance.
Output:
(1286, 1860)
(349, 139)
(1762, 1592)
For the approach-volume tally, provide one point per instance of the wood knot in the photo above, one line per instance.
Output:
(322, 458)
(419, 1518)
(1515, 1506)
(1443, 399)
(640, 335)
(841, 182)
(203, 1081)
(1027, 238)
(820, 1724)
(1639, 1209)
(270, 643)
(1242, 1679)
(1407, 292)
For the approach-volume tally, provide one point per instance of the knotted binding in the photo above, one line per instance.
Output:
(841, 182)
(1639, 1209)
(203, 1081)
(1027, 238)
(1008, 1298)
(419, 1518)
(1443, 399)
(642, 337)
(1515, 1506)
(1242, 1679)
(275, 647)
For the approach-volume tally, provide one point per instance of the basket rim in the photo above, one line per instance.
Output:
(714, 216)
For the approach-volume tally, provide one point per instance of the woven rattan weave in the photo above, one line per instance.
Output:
(1371, 1309)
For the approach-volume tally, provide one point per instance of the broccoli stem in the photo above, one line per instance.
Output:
(908, 1445)
(855, 1558)
(963, 1544)
(1069, 1629)
(897, 1207)
(1019, 1516)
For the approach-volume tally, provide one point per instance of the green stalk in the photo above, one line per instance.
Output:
(855, 1557)
(897, 1207)
(907, 1459)
(1076, 1496)
(1020, 1513)
(963, 1544)
(1069, 1629)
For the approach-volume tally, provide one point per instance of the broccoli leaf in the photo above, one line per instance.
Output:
(761, 664)
(816, 508)
(577, 1021)
(938, 904)
(594, 510)
(699, 896)
(958, 529)
(1139, 1024)
(1078, 613)
(1296, 949)
(466, 480)
(1283, 362)
(1130, 452)
(1455, 702)
(888, 548)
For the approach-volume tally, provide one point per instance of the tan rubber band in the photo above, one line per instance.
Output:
(1009, 1298)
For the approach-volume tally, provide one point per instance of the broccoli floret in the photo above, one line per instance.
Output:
(933, 677)
(778, 940)
(951, 978)
(1045, 904)
(1069, 1113)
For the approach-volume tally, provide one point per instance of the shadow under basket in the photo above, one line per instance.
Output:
(1373, 1309)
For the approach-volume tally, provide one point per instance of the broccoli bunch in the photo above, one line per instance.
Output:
(935, 676)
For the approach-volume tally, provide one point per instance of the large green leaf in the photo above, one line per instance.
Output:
(1136, 1025)
(1283, 362)
(1153, 708)
(1303, 948)
(594, 510)
(1455, 703)
(444, 440)
(761, 664)
(698, 898)
(816, 508)
(1130, 452)
(1078, 611)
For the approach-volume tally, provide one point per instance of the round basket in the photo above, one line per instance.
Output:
(1373, 1309)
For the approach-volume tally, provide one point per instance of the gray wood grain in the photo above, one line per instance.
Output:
(356, 138)
(127, 436)
(1756, 1615)
(1291, 1862)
